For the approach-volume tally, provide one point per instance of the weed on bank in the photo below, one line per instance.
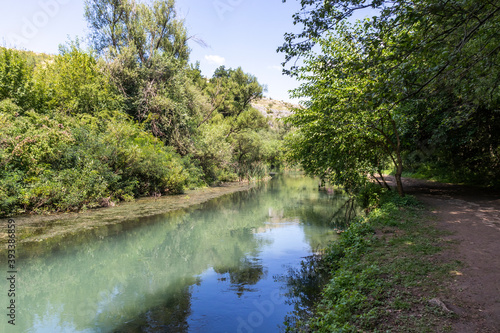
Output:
(384, 270)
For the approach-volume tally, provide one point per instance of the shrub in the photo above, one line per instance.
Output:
(16, 81)
(369, 195)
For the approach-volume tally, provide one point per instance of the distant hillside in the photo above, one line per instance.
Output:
(32, 58)
(272, 107)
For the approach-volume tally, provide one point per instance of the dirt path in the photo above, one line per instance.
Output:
(472, 216)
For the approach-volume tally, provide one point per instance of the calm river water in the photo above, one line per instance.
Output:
(214, 267)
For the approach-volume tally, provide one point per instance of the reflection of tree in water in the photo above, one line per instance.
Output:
(326, 211)
(304, 287)
(170, 316)
(142, 276)
(248, 272)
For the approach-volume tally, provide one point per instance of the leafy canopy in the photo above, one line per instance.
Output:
(416, 73)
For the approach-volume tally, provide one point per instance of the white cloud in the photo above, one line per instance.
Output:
(215, 59)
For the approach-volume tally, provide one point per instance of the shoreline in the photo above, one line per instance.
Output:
(426, 261)
(43, 233)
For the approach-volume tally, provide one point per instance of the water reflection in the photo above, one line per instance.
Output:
(208, 268)
(246, 273)
(304, 285)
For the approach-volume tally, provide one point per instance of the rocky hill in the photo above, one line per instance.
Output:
(275, 108)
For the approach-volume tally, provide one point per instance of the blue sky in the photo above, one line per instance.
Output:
(242, 33)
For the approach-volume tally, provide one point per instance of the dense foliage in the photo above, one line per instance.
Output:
(130, 118)
(383, 281)
(414, 84)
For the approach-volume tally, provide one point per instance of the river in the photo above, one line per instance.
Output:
(213, 267)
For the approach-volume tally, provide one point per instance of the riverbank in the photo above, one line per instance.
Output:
(212, 267)
(426, 265)
(39, 233)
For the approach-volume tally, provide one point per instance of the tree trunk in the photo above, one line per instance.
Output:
(383, 179)
(373, 176)
(399, 183)
(399, 164)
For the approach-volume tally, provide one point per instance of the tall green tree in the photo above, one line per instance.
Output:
(233, 90)
(149, 28)
(427, 63)
(229, 138)
(144, 47)
(347, 129)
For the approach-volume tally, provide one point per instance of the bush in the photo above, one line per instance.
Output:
(33, 142)
(16, 79)
(74, 83)
(65, 163)
(137, 155)
(194, 172)
(369, 195)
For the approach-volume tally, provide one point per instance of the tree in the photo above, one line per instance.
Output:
(149, 29)
(344, 133)
(16, 79)
(144, 47)
(74, 83)
(228, 132)
(232, 90)
(408, 53)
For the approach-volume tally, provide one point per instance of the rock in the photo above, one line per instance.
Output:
(438, 302)
(106, 202)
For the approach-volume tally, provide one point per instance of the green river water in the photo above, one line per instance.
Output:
(213, 267)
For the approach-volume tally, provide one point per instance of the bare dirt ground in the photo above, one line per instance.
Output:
(471, 215)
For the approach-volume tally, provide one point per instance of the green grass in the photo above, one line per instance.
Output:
(384, 270)
(428, 172)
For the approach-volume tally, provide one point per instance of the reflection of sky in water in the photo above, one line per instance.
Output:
(216, 306)
(209, 269)
(51, 322)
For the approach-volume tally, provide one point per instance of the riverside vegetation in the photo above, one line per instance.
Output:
(129, 118)
(380, 276)
(412, 87)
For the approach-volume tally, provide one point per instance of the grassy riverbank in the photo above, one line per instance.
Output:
(386, 273)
